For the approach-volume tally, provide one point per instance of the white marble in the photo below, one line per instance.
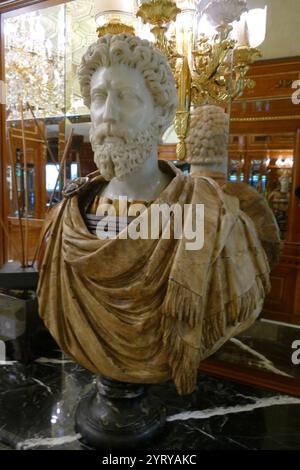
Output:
(2, 351)
(237, 443)
(265, 363)
(42, 384)
(131, 106)
(280, 323)
(47, 442)
(208, 435)
(123, 137)
(46, 360)
(221, 411)
(207, 140)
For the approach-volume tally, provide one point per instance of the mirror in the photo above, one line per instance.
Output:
(265, 152)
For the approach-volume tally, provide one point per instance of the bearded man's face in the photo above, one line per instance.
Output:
(123, 130)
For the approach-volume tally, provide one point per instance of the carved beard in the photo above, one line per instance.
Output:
(119, 159)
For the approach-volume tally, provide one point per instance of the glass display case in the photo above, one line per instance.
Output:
(42, 48)
(24, 176)
(266, 163)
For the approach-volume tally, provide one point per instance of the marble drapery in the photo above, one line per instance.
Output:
(149, 310)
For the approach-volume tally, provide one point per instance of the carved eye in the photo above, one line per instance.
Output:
(128, 96)
(99, 96)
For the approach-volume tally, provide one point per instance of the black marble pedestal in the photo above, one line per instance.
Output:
(14, 276)
(23, 335)
(38, 402)
(118, 415)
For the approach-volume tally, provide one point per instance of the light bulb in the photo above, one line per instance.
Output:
(257, 23)
(250, 30)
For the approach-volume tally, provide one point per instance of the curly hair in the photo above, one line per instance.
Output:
(208, 136)
(138, 54)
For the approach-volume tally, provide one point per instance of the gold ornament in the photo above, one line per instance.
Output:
(115, 27)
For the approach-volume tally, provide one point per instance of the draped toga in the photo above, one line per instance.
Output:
(145, 311)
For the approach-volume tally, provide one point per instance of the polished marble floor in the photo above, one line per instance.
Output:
(265, 346)
(37, 405)
(38, 402)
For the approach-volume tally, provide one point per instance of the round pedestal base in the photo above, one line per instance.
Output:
(118, 415)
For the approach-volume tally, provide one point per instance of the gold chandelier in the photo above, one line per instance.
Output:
(35, 70)
(208, 48)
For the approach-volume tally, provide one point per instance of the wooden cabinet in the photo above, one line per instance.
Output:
(265, 124)
(87, 164)
(31, 173)
(283, 302)
(266, 162)
(265, 127)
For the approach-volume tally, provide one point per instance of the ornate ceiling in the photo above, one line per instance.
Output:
(66, 30)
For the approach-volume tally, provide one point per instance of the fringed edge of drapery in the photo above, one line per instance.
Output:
(182, 304)
(184, 359)
(236, 311)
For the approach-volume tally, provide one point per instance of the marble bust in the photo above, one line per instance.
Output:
(145, 310)
(207, 141)
(207, 152)
(131, 106)
(285, 182)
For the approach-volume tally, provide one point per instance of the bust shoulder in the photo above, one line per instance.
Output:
(75, 186)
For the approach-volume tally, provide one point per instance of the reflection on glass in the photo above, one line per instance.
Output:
(236, 173)
(35, 62)
(74, 171)
(278, 188)
(80, 33)
(51, 176)
(23, 177)
(31, 191)
(258, 159)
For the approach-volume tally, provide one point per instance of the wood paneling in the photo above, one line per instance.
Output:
(34, 230)
(273, 78)
(262, 145)
(268, 110)
(283, 302)
(294, 212)
(36, 161)
(268, 107)
(167, 152)
(251, 376)
(264, 124)
(36, 155)
(86, 157)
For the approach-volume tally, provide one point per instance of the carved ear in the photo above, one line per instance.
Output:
(162, 111)
(162, 116)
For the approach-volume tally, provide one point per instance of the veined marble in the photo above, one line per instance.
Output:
(38, 402)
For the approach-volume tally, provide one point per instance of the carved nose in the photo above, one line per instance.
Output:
(110, 114)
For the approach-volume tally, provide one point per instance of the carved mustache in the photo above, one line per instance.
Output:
(99, 133)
